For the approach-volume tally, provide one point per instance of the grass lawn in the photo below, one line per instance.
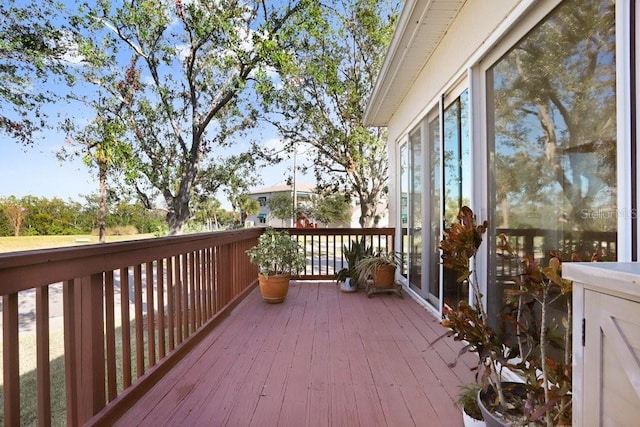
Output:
(56, 349)
(28, 387)
(25, 243)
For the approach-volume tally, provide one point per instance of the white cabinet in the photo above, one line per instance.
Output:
(606, 343)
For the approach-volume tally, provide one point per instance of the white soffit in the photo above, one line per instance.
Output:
(420, 28)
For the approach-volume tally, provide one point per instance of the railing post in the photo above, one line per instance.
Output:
(90, 308)
(11, 359)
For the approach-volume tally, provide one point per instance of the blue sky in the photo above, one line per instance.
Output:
(36, 171)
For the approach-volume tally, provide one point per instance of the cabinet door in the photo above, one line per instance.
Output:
(611, 360)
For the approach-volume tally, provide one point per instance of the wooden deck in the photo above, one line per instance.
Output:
(322, 358)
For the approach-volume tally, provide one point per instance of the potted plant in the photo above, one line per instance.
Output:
(377, 271)
(356, 251)
(277, 256)
(468, 402)
(526, 335)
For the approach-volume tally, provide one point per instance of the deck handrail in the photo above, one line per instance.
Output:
(141, 304)
(324, 247)
(171, 291)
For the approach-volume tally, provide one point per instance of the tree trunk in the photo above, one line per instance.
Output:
(178, 216)
(102, 204)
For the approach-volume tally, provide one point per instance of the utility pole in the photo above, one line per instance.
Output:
(295, 193)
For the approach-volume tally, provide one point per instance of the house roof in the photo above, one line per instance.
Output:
(422, 24)
(282, 187)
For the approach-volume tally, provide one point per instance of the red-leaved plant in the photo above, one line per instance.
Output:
(528, 342)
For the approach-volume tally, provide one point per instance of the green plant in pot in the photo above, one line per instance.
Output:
(378, 269)
(346, 278)
(468, 401)
(277, 256)
(525, 338)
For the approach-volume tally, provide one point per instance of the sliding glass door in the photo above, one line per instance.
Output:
(456, 178)
(551, 106)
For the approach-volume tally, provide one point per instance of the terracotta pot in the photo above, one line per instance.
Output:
(274, 288)
(384, 276)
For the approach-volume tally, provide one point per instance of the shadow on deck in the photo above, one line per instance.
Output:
(321, 358)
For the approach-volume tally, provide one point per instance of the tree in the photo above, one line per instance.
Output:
(324, 96)
(101, 147)
(182, 74)
(332, 208)
(248, 206)
(281, 206)
(15, 214)
(555, 127)
(32, 52)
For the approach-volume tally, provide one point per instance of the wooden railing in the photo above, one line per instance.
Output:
(324, 247)
(130, 311)
(538, 243)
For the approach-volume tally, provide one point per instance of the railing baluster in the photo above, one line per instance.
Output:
(192, 293)
(185, 295)
(151, 325)
(206, 285)
(42, 355)
(11, 359)
(109, 299)
(178, 293)
(171, 305)
(161, 311)
(216, 278)
(126, 327)
(70, 352)
(197, 294)
(92, 382)
(137, 296)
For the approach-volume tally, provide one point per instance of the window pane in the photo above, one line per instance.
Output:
(404, 208)
(415, 210)
(457, 181)
(553, 130)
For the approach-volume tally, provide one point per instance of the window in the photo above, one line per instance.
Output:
(552, 139)
(262, 200)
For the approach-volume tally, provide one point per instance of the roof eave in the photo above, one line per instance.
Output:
(420, 28)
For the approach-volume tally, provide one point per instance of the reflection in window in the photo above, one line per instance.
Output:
(415, 208)
(552, 124)
(404, 207)
(457, 180)
(436, 213)
(456, 162)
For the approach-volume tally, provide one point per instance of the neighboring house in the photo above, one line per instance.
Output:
(304, 193)
(524, 110)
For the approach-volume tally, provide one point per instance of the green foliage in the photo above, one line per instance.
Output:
(332, 208)
(32, 48)
(180, 78)
(44, 216)
(367, 265)
(277, 253)
(353, 254)
(281, 206)
(248, 206)
(326, 90)
(468, 400)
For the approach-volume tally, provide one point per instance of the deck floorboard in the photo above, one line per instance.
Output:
(321, 358)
